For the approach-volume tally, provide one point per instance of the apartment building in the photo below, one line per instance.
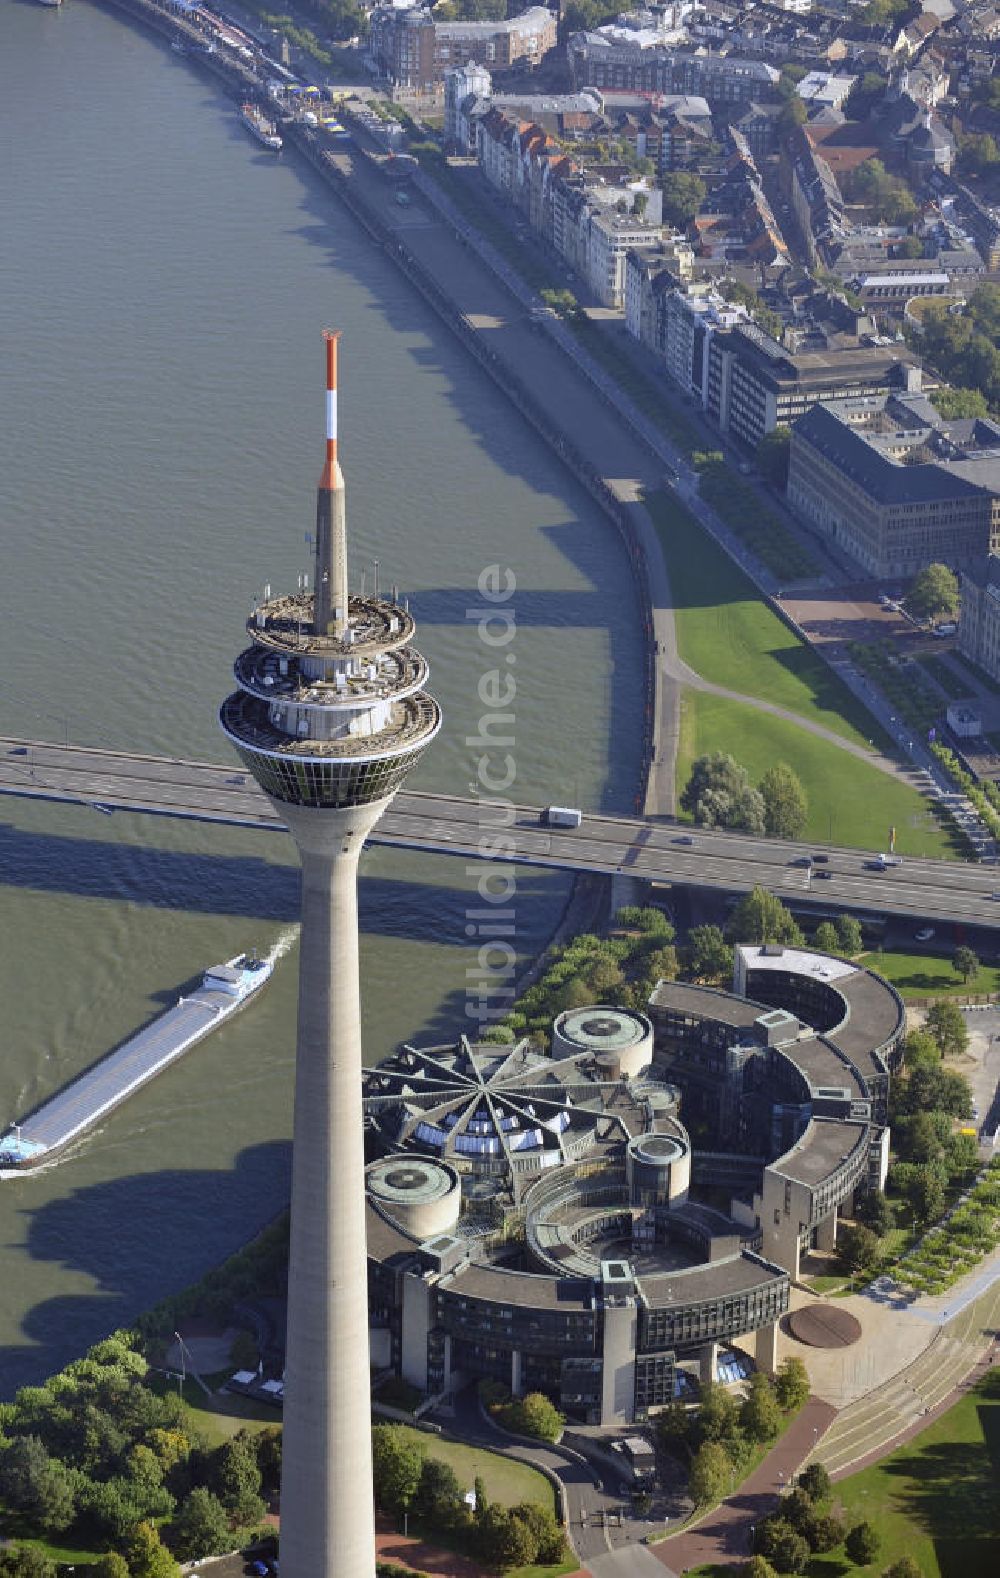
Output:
(415, 51)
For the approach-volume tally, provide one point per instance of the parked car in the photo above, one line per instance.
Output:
(925, 934)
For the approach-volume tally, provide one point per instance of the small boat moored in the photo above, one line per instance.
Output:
(260, 126)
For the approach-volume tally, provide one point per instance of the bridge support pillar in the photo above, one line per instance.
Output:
(766, 1348)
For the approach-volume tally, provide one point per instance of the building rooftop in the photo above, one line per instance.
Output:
(820, 1150)
(858, 452)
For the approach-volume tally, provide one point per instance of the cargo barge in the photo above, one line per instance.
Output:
(224, 990)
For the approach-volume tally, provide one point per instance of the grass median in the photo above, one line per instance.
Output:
(850, 801)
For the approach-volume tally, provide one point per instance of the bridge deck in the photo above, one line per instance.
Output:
(948, 891)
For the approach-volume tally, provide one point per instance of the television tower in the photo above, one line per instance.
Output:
(329, 717)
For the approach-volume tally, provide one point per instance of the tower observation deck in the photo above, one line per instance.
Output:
(329, 716)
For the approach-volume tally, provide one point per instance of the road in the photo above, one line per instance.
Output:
(950, 892)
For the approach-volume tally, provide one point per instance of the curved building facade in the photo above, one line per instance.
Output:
(593, 1247)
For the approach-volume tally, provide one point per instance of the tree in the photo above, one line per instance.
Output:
(111, 1565)
(683, 195)
(36, 1485)
(875, 1211)
(858, 1249)
(814, 1479)
(910, 247)
(533, 1415)
(946, 1023)
(549, 1542)
(709, 956)
(580, 16)
(825, 937)
(397, 1461)
(904, 1567)
(863, 1543)
(148, 1557)
(978, 153)
(961, 1155)
(785, 803)
(27, 1561)
(791, 1386)
(759, 917)
(934, 592)
(849, 935)
(718, 1412)
(760, 1416)
(711, 1474)
(235, 1478)
(201, 1527)
(965, 963)
(864, 95)
(920, 1050)
(955, 404)
(718, 794)
(826, 1532)
(439, 1499)
(926, 1193)
(758, 1567)
(782, 1544)
(797, 1509)
(515, 1543)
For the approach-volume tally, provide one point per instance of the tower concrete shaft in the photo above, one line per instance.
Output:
(329, 716)
(326, 1483)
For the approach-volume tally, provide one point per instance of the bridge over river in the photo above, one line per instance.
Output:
(952, 892)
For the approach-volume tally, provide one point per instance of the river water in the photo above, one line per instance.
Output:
(163, 283)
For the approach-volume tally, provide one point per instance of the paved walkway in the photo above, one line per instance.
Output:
(724, 1535)
(877, 1423)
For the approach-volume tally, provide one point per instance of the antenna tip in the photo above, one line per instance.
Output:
(332, 334)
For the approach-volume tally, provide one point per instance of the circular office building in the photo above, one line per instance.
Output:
(658, 1168)
(621, 1039)
(421, 1195)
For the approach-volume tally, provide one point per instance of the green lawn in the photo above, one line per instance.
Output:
(507, 1480)
(850, 802)
(223, 1413)
(930, 975)
(729, 635)
(938, 1498)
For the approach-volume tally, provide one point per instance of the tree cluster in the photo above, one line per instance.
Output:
(624, 968)
(683, 195)
(408, 1479)
(841, 935)
(964, 346)
(885, 197)
(724, 1431)
(719, 794)
(925, 1100)
(802, 1526)
(98, 1456)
